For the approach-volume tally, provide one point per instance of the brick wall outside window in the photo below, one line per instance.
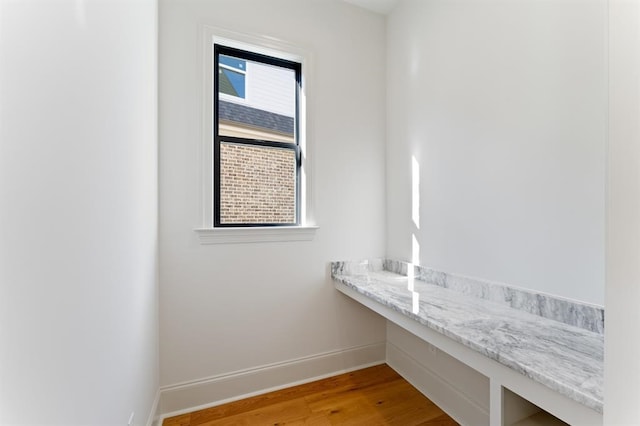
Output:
(257, 184)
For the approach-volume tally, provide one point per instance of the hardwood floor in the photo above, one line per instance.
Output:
(372, 396)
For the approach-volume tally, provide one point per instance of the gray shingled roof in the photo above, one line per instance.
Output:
(229, 111)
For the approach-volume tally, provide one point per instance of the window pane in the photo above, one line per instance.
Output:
(257, 184)
(232, 83)
(230, 61)
(231, 76)
(267, 108)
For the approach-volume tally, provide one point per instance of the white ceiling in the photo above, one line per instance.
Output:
(379, 6)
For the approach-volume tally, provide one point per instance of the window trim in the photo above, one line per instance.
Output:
(206, 232)
(218, 140)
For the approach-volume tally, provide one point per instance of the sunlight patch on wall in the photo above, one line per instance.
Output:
(415, 192)
(415, 245)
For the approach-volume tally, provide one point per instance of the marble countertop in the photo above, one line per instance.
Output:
(565, 358)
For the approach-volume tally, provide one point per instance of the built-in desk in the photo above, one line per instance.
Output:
(556, 364)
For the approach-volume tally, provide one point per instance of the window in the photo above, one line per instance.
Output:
(256, 152)
(231, 76)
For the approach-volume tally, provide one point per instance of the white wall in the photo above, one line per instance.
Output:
(622, 349)
(503, 105)
(78, 215)
(226, 308)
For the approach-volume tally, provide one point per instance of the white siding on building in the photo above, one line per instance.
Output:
(271, 88)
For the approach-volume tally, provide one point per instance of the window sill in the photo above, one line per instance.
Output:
(262, 234)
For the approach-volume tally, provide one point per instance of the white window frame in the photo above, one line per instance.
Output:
(207, 233)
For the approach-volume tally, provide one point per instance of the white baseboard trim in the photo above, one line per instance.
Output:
(153, 414)
(450, 399)
(196, 395)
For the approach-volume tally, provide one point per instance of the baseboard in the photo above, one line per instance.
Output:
(153, 414)
(450, 399)
(208, 392)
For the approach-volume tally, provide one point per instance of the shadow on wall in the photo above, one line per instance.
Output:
(415, 244)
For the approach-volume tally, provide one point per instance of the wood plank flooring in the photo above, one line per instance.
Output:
(372, 396)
